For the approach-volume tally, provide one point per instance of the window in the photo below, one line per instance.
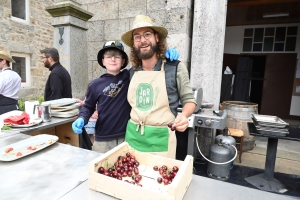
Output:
(270, 39)
(20, 10)
(22, 67)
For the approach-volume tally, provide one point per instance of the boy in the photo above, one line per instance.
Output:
(109, 94)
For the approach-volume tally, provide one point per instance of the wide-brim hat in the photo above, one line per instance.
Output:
(142, 21)
(112, 45)
(6, 56)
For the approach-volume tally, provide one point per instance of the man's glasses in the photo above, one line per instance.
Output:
(146, 35)
(42, 57)
(111, 57)
(116, 43)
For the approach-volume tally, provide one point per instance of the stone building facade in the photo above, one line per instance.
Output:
(26, 38)
(112, 18)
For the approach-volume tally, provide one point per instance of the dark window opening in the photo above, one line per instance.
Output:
(18, 9)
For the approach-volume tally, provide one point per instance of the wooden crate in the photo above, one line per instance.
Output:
(152, 189)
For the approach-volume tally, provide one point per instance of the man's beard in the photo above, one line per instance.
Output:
(47, 64)
(146, 55)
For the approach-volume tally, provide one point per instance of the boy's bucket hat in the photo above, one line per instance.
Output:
(112, 45)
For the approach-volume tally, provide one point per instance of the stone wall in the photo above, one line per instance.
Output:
(28, 38)
(112, 18)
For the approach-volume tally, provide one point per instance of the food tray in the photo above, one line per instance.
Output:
(61, 102)
(270, 130)
(150, 188)
(269, 120)
(39, 142)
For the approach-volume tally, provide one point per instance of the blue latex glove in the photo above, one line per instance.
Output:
(172, 54)
(77, 125)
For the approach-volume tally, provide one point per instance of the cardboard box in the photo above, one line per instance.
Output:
(150, 189)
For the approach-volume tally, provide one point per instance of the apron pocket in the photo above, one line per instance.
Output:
(155, 139)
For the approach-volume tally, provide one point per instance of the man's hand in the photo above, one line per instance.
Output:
(181, 123)
(77, 125)
(172, 54)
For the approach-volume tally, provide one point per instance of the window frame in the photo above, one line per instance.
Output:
(274, 36)
(27, 66)
(27, 14)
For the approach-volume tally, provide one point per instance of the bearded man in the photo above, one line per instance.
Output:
(154, 92)
(58, 84)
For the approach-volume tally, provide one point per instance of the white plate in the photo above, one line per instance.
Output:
(39, 141)
(11, 113)
(61, 102)
(66, 114)
(65, 108)
(31, 123)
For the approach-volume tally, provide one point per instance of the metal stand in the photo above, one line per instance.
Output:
(266, 181)
(191, 141)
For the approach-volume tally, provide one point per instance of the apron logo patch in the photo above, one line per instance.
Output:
(144, 96)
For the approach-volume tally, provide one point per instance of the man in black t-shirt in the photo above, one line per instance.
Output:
(58, 84)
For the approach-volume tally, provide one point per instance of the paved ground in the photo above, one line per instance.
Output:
(287, 158)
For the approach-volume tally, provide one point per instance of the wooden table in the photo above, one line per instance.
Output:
(266, 181)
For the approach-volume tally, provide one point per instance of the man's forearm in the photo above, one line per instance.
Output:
(188, 109)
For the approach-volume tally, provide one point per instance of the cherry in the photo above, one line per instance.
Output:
(175, 169)
(159, 180)
(101, 170)
(129, 173)
(166, 181)
(128, 154)
(164, 167)
(136, 170)
(137, 179)
(170, 125)
(155, 168)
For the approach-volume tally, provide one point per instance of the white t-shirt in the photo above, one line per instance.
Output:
(10, 83)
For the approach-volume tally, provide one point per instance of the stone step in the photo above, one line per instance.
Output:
(286, 162)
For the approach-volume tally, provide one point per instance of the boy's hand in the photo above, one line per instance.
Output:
(77, 125)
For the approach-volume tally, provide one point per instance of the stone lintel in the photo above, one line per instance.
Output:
(69, 21)
(65, 9)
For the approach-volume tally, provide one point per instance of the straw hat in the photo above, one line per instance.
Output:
(5, 56)
(141, 21)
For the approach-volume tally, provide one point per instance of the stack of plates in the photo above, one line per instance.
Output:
(66, 107)
(267, 124)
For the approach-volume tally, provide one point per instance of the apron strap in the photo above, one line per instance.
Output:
(163, 65)
(142, 125)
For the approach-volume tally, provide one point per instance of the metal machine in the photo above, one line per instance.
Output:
(202, 118)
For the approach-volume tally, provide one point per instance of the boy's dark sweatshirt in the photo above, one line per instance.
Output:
(109, 93)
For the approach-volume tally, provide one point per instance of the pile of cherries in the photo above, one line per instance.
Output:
(125, 166)
(167, 174)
